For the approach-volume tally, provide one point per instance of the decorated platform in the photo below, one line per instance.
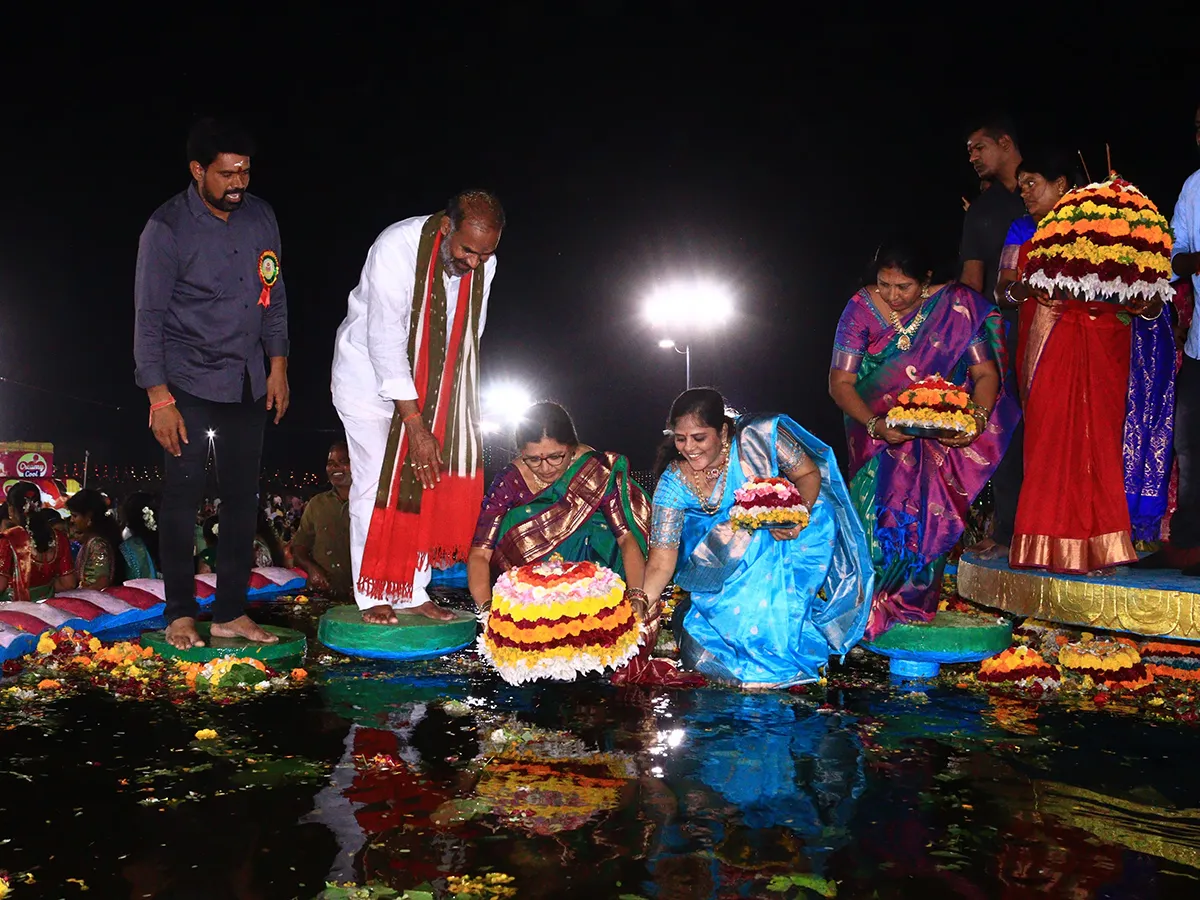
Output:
(1160, 603)
(138, 600)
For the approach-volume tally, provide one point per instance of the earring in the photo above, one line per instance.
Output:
(925, 292)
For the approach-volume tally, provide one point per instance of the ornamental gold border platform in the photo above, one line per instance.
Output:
(1157, 603)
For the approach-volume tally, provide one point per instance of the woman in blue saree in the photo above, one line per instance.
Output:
(769, 607)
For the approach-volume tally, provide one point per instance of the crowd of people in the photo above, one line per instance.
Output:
(1078, 416)
(97, 540)
(1067, 323)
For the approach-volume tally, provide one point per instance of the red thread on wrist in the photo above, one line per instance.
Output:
(162, 404)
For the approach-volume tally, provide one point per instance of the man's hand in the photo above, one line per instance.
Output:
(169, 430)
(424, 455)
(279, 395)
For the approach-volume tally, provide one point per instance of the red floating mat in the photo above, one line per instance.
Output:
(24, 621)
(135, 597)
(76, 607)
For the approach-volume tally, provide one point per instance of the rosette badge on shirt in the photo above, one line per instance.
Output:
(268, 274)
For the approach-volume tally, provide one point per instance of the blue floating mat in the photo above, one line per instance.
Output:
(453, 577)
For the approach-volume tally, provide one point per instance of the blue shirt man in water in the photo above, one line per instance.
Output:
(210, 305)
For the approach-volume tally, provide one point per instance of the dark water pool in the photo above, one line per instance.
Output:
(405, 775)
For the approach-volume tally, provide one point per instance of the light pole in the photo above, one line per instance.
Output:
(668, 344)
(688, 307)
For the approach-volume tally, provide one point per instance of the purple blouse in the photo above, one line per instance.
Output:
(862, 330)
(509, 490)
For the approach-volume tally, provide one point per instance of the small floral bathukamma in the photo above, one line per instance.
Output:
(933, 404)
(1114, 663)
(1105, 241)
(558, 620)
(768, 503)
(1021, 667)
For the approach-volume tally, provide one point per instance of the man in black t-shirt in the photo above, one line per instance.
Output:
(992, 149)
(993, 152)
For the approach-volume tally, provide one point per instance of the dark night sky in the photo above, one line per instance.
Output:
(628, 145)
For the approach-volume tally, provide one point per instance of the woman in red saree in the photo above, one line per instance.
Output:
(35, 557)
(1073, 361)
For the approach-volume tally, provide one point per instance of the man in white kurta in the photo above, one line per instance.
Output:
(372, 376)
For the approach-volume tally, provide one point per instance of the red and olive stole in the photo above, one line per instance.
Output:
(413, 528)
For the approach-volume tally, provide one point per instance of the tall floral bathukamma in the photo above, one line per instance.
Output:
(1105, 241)
(557, 620)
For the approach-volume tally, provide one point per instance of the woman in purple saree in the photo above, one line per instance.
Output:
(914, 494)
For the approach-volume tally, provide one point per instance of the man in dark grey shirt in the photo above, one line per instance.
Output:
(210, 305)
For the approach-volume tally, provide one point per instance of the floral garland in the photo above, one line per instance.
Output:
(1103, 241)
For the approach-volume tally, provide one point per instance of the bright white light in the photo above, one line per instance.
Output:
(505, 404)
(675, 737)
(694, 304)
(667, 344)
(212, 433)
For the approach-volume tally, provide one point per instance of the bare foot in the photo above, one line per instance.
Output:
(982, 547)
(996, 551)
(429, 610)
(382, 614)
(182, 634)
(244, 628)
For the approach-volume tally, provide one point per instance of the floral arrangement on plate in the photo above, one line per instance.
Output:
(768, 503)
(933, 408)
(556, 619)
(1106, 241)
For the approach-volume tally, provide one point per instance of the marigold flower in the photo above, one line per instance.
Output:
(94, 644)
(206, 734)
(48, 684)
(299, 674)
(46, 644)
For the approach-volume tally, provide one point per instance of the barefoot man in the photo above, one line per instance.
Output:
(406, 385)
(210, 305)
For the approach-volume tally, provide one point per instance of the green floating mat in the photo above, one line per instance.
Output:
(292, 645)
(414, 637)
(917, 650)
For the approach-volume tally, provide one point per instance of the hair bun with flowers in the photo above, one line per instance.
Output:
(1105, 241)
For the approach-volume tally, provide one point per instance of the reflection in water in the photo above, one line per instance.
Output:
(410, 774)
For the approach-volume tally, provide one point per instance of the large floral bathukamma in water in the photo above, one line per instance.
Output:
(558, 620)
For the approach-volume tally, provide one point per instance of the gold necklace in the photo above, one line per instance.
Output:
(694, 482)
(906, 333)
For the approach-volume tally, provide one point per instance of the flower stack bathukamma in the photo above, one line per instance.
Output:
(1114, 663)
(767, 503)
(1106, 241)
(558, 620)
(933, 407)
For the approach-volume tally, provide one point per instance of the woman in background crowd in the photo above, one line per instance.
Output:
(99, 564)
(140, 547)
(35, 558)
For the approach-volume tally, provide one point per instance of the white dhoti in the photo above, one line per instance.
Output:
(366, 435)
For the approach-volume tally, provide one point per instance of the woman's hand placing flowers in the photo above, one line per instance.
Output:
(878, 428)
